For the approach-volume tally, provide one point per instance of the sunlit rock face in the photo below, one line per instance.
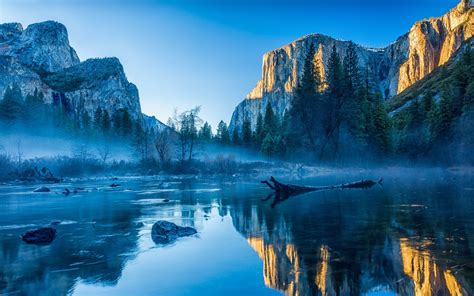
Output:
(391, 70)
(432, 42)
(40, 58)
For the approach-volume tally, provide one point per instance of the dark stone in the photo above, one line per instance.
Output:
(40, 236)
(164, 232)
(166, 200)
(42, 189)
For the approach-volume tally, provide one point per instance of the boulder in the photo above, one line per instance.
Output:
(39, 236)
(164, 232)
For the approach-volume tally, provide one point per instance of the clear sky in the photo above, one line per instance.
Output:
(184, 53)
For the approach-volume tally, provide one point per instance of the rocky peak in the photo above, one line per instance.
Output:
(10, 31)
(40, 58)
(42, 46)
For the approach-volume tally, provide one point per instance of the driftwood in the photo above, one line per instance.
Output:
(283, 191)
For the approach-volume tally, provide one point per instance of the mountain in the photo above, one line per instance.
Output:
(429, 44)
(39, 58)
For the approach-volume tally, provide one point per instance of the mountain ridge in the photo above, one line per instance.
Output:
(428, 44)
(40, 59)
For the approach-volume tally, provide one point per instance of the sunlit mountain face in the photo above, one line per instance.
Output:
(379, 241)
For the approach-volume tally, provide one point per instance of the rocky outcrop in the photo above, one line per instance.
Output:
(164, 232)
(391, 70)
(42, 46)
(96, 83)
(40, 236)
(40, 58)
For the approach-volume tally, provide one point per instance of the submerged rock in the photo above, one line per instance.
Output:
(164, 232)
(39, 236)
(42, 189)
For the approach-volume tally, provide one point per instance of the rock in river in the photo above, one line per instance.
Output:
(39, 236)
(164, 232)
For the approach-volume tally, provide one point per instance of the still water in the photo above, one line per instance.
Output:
(412, 236)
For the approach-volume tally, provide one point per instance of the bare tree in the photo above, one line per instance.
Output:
(104, 152)
(143, 142)
(186, 125)
(163, 146)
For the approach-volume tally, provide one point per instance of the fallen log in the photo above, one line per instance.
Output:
(291, 189)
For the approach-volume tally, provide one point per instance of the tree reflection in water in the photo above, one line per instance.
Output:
(355, 242)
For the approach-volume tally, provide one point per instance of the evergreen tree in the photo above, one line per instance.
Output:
(258, 130)
(105, 121)
(246, 133)
(35, 109)
(223, 133)
(11, 107)
(127, 124)
(306, 106)
(428, 103)
(469, 95)
(445, 115)
(270, 121)
(86, 122)
(235, 137)
(205, 134)
(355, 103)
(333, 103)
(381, 133)
(98, 119)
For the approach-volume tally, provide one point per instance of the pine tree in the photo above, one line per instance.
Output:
(205, 134)
(86, 122)
(333, 103)
(354, 99)
(445, 115)
(105, 121)
(235, 137)
(127, 124)
(469, 96)
(306, 108)
(11, 107)
(98, 119)
(381, 132)
(428, 103)
(270, 121)
(258, 131)
(35, 109)
(246, 133)
(223, 133)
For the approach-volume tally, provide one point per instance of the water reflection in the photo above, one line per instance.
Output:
(353, 242)
(414, 236)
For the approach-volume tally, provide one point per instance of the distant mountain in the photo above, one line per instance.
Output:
(391, 70)
(39, 58)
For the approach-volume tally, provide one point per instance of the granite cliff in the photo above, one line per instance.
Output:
(429, 44)
(40, 58)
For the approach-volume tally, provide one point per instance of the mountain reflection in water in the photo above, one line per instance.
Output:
(390, 241)
(413, 236)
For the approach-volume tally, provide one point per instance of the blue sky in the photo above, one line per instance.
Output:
(184, 53)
